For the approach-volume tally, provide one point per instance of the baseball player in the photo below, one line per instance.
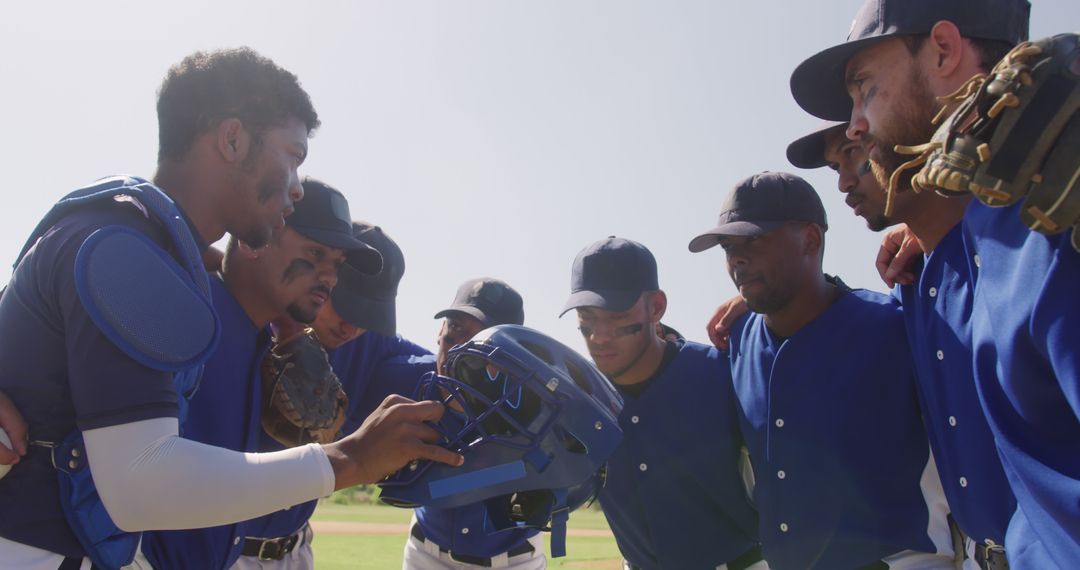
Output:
(292, 275)
(937, 315)
(358, 328)
(1023, 336)
(674, 495)
(459, 538)
(826, 392)
(108, 319)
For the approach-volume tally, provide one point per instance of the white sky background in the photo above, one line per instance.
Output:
(488, 138)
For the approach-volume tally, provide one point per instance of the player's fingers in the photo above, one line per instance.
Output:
(890, 244)
(436, 453)
(426, 411)
(13, 423)
(716, 336)
(424, 432)
(733, 309)
(395, 399)
(212, 258)
(7, 456)
(901, 265)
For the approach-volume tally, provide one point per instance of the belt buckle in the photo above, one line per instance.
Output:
(991, 557)
(275, 553)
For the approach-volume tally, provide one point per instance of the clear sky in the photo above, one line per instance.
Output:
(487, 137)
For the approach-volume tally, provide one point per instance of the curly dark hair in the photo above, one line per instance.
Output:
(209, 87)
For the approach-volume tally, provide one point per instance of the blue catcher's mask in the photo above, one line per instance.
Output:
(535, 422)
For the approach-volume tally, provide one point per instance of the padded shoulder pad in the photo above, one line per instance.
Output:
(143, 301)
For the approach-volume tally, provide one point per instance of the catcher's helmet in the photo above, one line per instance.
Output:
(535, 422)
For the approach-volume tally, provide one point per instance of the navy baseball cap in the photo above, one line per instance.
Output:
(611, 274)
(491, 301)
(809, 151)
(370, 301)
(818, 83)
(323, 216)
(760, 204)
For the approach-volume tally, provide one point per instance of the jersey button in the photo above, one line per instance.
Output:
(643, 467)
(933, 291)
(780, 474)
(940, 355)
(465, 530)
(978, 261)
(779, 422)
(236, 541)
(952, 421)
(963, 481)
(634, 419)
(783, 527)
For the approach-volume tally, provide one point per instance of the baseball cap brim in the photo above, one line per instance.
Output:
(809, 151)
(375, 315)
(468, 310)
(367, 255)
(712, 237)
(608, 300)
(818, 82)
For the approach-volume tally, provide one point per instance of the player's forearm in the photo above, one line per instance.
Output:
(150, 478)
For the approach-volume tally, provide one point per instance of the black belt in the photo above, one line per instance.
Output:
(991, 557)
(742, 562)
(524, 548)
(271, 548)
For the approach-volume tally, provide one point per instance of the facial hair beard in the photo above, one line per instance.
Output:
(911, 125)
(300, 314)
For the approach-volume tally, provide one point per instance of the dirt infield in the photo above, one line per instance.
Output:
(346, 527)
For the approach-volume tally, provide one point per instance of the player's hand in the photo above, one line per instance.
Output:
(896, 258)
(213, 258)
(391, 437)
(12, 422)
(719, 327)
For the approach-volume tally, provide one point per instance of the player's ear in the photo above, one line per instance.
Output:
(813, 240)
(233, 140)
(944, 49)
(657, 306)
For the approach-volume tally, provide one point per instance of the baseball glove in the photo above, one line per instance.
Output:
(302, 397)
(1014, 135)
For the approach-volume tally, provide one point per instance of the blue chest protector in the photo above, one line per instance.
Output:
(153, 305)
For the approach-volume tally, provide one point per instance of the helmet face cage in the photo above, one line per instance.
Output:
(513, 393)
(490, 395)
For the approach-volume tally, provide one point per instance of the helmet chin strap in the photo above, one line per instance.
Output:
(560, 514)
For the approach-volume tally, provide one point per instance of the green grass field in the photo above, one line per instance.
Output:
(383, 551)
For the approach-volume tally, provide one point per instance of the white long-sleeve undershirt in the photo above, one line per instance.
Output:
(150, 478)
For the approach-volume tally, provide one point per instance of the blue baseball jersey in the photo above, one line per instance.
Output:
(674, 495)
(833, 425)
(224, 412)
(468, 530)
(1025, 328)
(62, 372)
(370, 368)
(937, 311)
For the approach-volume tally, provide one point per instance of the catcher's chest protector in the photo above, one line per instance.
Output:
(154, 306)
